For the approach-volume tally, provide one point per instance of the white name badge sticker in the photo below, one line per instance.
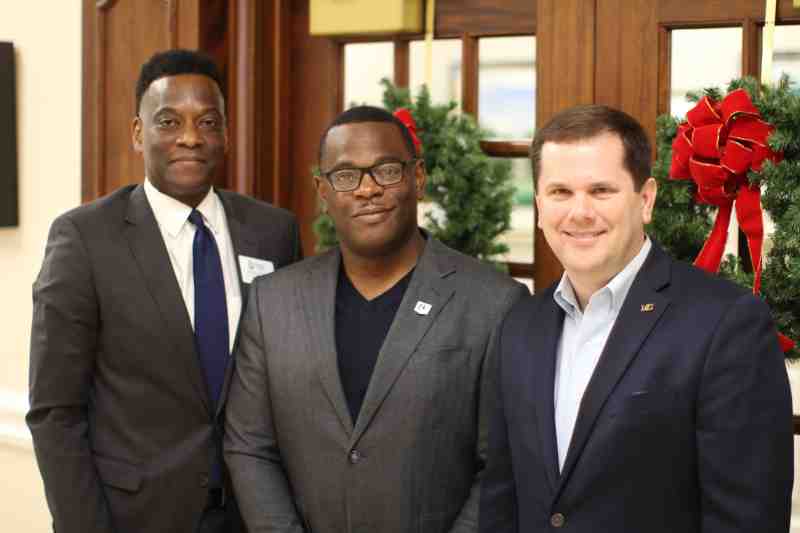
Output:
(422, 308)
(252, 267)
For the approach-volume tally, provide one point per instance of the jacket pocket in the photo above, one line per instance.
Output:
(118, 474)
(645, 403)
(439, 355)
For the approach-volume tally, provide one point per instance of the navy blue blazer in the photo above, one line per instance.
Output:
(685, 425)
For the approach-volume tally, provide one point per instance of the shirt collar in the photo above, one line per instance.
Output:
(618, 286)
(172, 214)
(565, 296)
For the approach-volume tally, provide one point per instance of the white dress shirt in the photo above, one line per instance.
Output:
(172, 217)
(583, 338)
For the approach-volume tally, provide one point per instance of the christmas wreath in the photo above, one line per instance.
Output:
(471, 193)
(737, 152)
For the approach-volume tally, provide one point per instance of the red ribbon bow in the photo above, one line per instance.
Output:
(408, 121)
(716, 147)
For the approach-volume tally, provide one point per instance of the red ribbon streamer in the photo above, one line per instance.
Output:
(408, 121)
(716, 147)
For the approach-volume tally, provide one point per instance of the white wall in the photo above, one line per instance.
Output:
(47, 39)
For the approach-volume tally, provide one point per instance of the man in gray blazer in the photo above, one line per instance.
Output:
(359, 399)
(129, 346)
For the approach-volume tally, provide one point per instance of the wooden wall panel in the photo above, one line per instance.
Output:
(565, 76)
(316, 99)
(110, 35)
(245, 98)
(565, 55)
(713, 12)
(484, 17)
(118, 36)
(280, 97)
(260, 108)
(626, 73)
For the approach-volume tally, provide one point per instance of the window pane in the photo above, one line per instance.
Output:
(520, 237)
(445, 85)
(507, 86)
(786, 56)
(365, 64)
(708, 57)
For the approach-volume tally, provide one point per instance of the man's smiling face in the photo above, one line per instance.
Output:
(588, 208)
(372, 220)
(180, 132)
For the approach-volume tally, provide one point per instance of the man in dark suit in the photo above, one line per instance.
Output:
(136, 309)
(639, 394)
(359, 400)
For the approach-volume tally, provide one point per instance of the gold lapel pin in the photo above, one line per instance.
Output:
(646, 308)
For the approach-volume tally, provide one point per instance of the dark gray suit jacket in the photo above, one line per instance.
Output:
(121, 420)
(412, 460)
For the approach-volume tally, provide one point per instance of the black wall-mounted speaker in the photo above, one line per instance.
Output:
(9, 210)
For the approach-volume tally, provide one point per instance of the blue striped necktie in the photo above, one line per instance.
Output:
(210, 308)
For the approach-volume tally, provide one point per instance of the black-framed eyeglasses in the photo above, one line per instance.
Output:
(384, 174)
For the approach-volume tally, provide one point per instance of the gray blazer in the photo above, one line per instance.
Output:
(413, 459)
(122, 424)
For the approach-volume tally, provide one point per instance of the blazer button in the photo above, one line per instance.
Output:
(355, 456)
(557, 520)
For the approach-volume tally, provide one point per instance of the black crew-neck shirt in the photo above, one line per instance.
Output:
(361, 328)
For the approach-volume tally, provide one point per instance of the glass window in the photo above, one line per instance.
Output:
(445, 85)
(365, 64)
(707, 57)
(520, 237)
(507, 86)
(786, 55)
(702, 58)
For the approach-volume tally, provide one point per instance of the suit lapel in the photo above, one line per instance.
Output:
(319, 305)
(245, 242)
(642, 309)
(407, 330)
(147, 247)
(545, 333)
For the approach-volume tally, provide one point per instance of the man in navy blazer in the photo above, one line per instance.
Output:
(638, 394)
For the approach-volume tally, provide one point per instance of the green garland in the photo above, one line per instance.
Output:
(472, 193)
(681, 225)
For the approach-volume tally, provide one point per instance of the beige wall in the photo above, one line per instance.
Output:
(47, 39)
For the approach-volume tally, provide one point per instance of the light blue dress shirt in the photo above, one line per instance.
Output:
(583, 338)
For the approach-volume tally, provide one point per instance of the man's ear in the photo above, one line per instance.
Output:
(420, 178)
(648, 192)
(537, 199)
(319, 186)
(136, 134)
